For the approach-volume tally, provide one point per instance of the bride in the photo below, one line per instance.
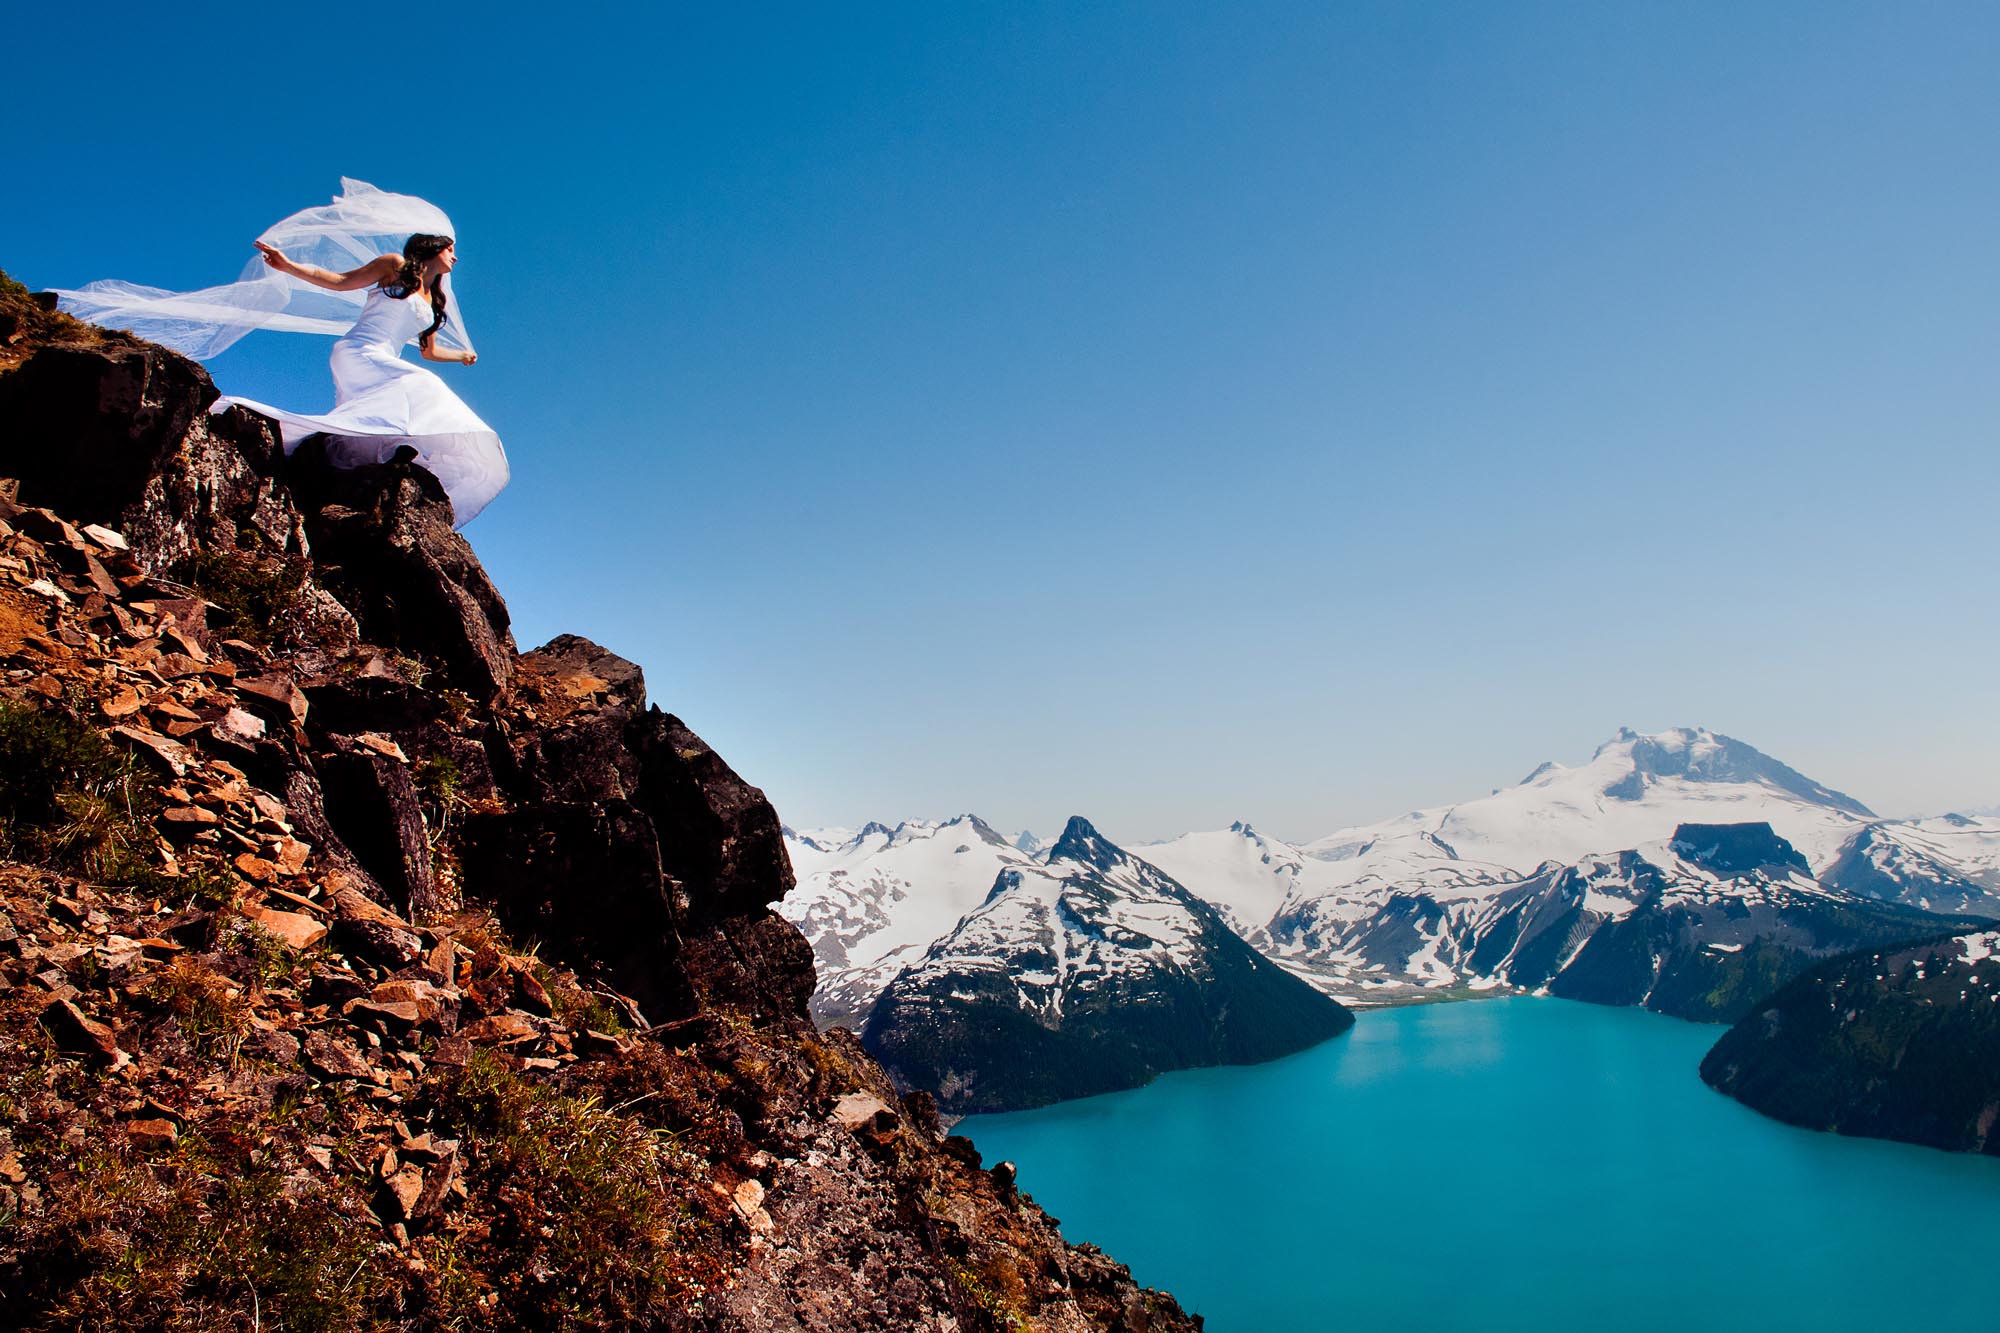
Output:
(382, 403)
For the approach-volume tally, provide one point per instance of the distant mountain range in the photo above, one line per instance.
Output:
(1087, 971)
(1455, 899)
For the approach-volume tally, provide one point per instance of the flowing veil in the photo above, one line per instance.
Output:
(361, 223)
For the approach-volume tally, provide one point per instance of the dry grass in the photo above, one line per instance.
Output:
(25, 325)
(207, 1006)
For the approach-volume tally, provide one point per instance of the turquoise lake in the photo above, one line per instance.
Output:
(1506, 1164)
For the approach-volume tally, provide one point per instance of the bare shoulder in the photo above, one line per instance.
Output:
(386, 266)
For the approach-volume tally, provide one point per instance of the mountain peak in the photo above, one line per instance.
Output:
(1081, 842)
(1696, 754)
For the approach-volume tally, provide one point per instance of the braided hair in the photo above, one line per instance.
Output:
(419, 250)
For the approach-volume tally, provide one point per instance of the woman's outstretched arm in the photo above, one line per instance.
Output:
(379, 269)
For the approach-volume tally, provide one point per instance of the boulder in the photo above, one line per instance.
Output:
(384, 540)
(140, 452)
(372, 804)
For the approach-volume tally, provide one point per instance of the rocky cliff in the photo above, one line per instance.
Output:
(359, 971)
(1901, 1044)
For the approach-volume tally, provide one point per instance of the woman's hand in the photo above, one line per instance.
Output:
(274, 257)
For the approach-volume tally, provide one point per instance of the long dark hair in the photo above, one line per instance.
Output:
(419, 250)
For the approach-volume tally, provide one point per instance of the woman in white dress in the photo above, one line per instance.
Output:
(383, 404)
(324, 270)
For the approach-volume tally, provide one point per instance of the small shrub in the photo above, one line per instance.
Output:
(580, 1009)
(256, 593)
(207, 1008)
(437, 780)
(68, 799)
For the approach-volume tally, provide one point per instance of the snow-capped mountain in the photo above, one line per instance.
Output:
(1384, 912)
(1089, 972)
(1697, 926)
(871, 901)
(1635, 789)
(1947, 864)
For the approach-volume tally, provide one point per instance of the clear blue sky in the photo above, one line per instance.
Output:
(1299, 412)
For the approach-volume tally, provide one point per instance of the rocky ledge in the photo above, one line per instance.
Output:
(281, 810)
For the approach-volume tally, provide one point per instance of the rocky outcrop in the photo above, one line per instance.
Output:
(382, 539)
(285, 806)
(1899, 1044)
(117, 432)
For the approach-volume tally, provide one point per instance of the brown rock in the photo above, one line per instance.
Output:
(187, 645)
(296, 929)
(75, 1031)
(291, 854)
(274, 695)
(397, 1016)
(333, 1059)
(506, 1028)
(105, 537)
(176, 758)
(534, 996)
(168, 707)
(452, 1052)
(856, 1109)
(412, 990)
(279, 897)
(372, 804)
(152, 1135)
(174, 666)
(402, 1189)
(275, 1045)
(438, 1180)
(368, 928)
(239, 726)
(123, 704)
(382, 745)
(256, 869)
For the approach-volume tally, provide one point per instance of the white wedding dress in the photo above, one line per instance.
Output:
(381, 401)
